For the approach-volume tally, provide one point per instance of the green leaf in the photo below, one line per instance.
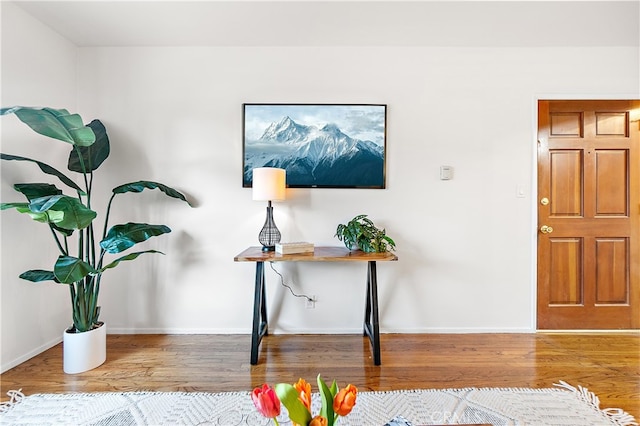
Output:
(130, 256)
(67, 232)
(54, 123)
(36, 190)
(75, 214)
(69, 269)
(42, 204)
(92, 156)
(38, 275)
(46, 217)
(333, 389)
(327, 401)
(52, 217)
(288, 395)
(46, 169)
(389, 241)
(121, 237)
(5, 206)
(145, 184)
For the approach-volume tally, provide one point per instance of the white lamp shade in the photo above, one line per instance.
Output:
(269, 184)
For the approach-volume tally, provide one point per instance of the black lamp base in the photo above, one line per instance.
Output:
(269, 235)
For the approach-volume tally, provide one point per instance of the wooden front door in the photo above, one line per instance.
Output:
(588, 215)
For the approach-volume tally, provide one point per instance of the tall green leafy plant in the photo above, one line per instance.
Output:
(70, 218)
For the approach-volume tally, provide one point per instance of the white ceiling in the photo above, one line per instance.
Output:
(341, 23)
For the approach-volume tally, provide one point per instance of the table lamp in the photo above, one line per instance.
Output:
(269, 184)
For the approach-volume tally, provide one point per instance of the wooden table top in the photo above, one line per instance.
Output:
(320, 254)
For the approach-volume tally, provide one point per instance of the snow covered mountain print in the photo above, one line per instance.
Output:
(320, 154)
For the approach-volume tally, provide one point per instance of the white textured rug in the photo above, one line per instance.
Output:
(564, 405)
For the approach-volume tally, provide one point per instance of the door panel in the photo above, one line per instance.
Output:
(612, 192)
(612, 277)
(566, 182)
(566, 271)
(588, 215)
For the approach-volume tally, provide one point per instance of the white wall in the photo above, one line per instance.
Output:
(39, 68)
(465, 246)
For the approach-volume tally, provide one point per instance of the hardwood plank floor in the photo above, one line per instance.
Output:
(607, 364)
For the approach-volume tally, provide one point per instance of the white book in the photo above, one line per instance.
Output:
(292, 248)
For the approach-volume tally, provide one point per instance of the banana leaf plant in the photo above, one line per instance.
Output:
(70, 218)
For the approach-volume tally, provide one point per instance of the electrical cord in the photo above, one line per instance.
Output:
(285, 285)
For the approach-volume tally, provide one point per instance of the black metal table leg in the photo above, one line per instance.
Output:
(260, 324)
(371, 322)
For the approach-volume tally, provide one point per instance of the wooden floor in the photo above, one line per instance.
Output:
(607, 364)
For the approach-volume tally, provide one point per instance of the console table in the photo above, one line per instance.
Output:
(320, 254)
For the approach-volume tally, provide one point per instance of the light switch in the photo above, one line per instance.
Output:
(520, 191)
(446, 172)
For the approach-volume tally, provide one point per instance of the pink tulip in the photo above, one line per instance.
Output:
(266, 401)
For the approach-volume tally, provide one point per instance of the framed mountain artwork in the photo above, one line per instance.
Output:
(319, 145)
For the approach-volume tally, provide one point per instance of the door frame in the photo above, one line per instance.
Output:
(534, 190)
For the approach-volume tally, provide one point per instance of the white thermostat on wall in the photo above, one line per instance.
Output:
(446, 172)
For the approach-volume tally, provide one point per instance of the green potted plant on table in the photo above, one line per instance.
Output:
(361, 233)
(70, 219)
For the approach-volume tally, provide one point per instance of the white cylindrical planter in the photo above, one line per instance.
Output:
(84, 351)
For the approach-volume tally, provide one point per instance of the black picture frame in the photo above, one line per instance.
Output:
(319, 145)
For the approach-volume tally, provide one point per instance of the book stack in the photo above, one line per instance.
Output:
(293, 248)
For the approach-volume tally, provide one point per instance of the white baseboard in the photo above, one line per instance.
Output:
(614, 331)
(112, 330)
(445, 330)
(37, 351)
(351, 330)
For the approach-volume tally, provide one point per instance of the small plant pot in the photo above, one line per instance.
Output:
(84, 351)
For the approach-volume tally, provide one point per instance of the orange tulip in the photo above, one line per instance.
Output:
(319, 421)
(304, 392)
(345, 400)
(266, 401)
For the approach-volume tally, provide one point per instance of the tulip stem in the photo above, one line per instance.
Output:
(275, 420)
